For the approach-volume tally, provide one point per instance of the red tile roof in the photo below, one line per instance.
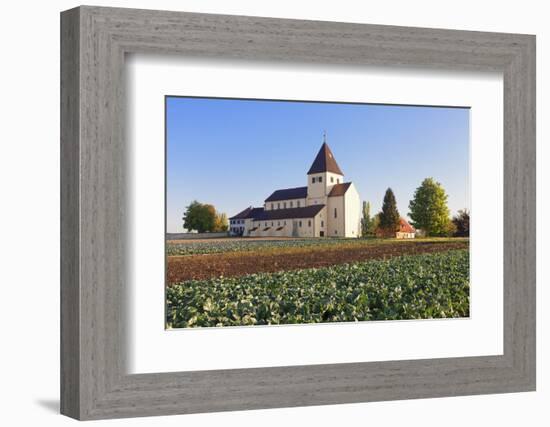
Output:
(405, 227)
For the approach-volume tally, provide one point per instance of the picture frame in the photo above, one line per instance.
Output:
(94, 381)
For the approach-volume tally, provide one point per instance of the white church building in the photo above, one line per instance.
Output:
(326, 207)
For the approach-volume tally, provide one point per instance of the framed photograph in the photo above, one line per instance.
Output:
(315, 253)
(261, 213)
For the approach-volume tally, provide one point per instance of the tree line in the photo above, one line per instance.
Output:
(428, 211)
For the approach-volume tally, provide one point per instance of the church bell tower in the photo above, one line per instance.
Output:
(323, 174)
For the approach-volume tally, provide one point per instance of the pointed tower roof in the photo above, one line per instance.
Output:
(325, 162)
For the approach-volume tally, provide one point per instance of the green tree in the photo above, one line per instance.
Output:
(389, 217)
(221, 223)
(200, 217)
(375, 223)
(366, 220)
(429, 211)
(462, 223)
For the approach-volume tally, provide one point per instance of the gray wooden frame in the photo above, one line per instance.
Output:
(94, 382)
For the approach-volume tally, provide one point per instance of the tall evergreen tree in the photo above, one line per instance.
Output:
(428, 209)
(389, 217)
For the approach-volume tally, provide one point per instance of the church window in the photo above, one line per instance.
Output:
(331, 179)
(278, 206)
(300, 223)
(320, 179)
(313, 180)
(298, 203)
(309, 223)
(338, 180)
(322, 223)
(291, 203)
(335, 213)
(284, 205)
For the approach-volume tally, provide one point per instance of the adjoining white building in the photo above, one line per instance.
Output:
(326, 207)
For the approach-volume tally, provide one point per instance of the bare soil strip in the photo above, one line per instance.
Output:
(201, 267)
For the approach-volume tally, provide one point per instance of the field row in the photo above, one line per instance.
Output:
(230, 264)
(434, 285)
(229, 245)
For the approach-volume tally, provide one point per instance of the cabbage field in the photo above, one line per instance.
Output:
(431, 285)
(240, 245)
(250, 245)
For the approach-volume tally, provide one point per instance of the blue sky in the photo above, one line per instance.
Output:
(235, 153)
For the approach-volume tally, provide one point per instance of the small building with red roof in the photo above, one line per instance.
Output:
(406, 230)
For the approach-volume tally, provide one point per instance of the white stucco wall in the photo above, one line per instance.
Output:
(235, 225)
(335, 226)
(309, 228)
(316, 201)
(321, 223)
(318, 190)
(247, 226)
(352, 212)
(403, 235)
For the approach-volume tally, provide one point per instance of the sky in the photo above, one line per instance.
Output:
(235, 153)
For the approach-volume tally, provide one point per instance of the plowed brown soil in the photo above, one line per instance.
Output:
(200, 267)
